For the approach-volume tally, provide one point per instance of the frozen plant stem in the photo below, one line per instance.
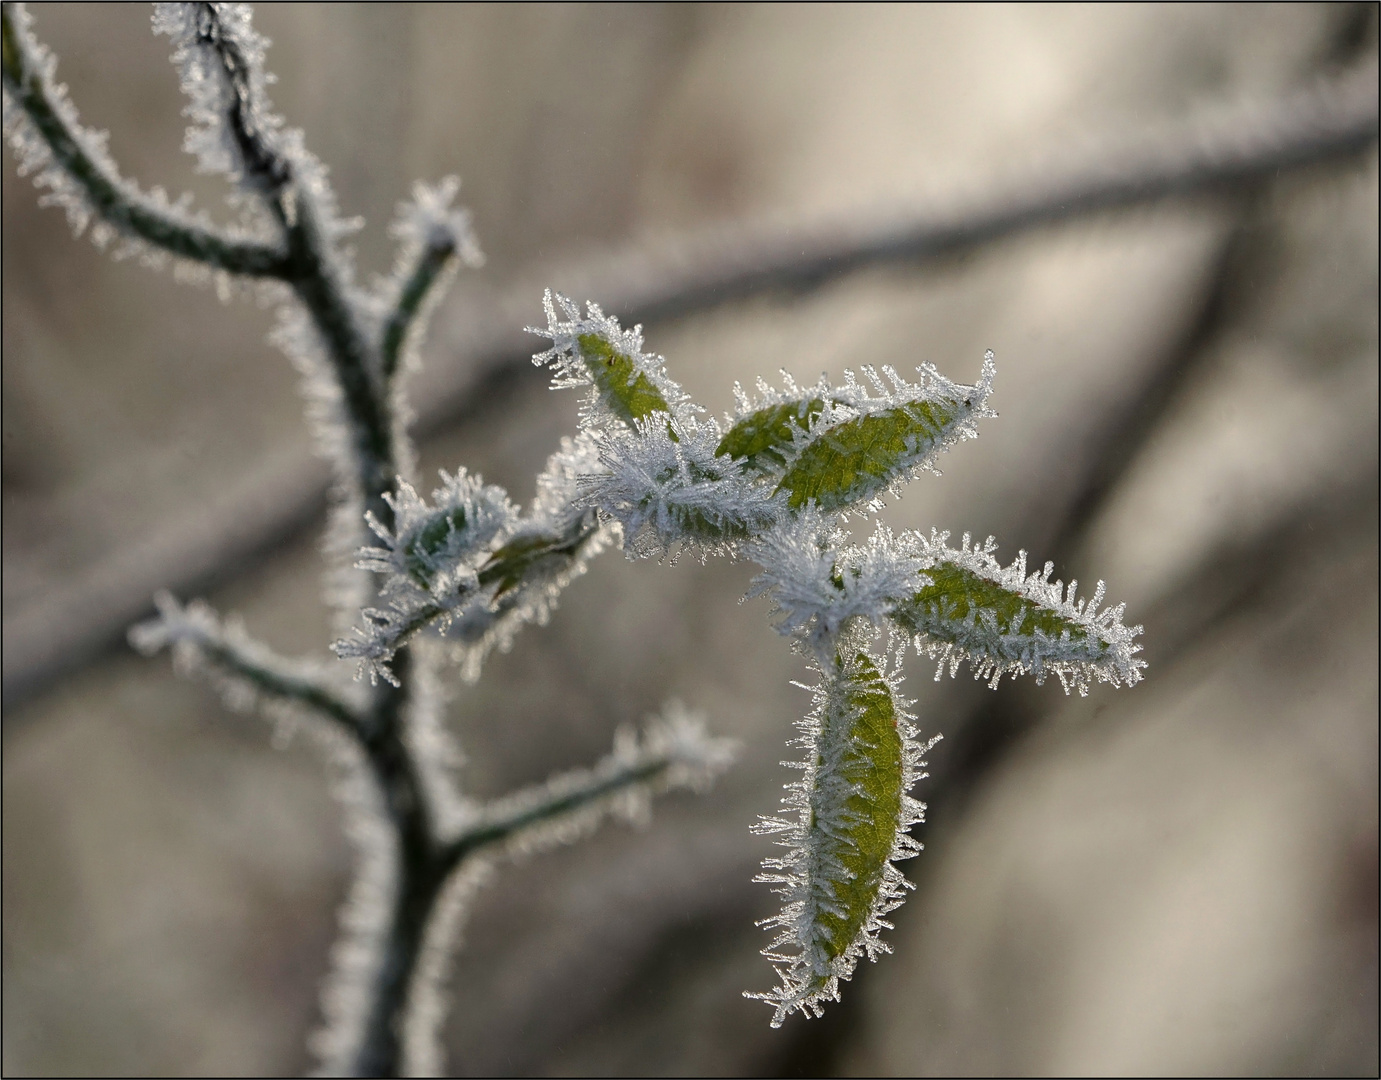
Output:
(459, 574)
(350, 347)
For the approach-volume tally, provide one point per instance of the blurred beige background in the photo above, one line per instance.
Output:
(1180, 878)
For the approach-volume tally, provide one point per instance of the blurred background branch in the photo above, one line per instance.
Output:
(1223, 153)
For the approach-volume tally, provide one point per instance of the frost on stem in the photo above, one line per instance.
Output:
(821, 585)
(433, 237)
(469, 567)
(672, 751)
(1003, 620)
(248, 674)
(72, 164)
(296, 695)
(852, 812)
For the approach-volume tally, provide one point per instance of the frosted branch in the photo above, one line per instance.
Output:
(72, 163)
(673, 751)
(247, 673)
(433, 237)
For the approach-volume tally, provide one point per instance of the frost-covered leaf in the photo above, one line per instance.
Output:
(627, 384)
(853, 812)
(470, 568)
(862, 445)
(1003, 620)
(526, 555)
(627, 392)
(437, 547)
(764, 438)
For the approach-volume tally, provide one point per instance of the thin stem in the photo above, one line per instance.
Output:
(118, 201)
(320, 285)
(311, 271)
(426, 866)
(279, 684)
(517, 814)
(432, 262)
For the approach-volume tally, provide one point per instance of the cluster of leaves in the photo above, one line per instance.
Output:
(777, 483)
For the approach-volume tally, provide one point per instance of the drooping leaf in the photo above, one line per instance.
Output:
(856, 806)
(838, 879)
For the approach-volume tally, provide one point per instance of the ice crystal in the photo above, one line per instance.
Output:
(820, 586)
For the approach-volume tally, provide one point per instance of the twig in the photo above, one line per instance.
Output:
(117, 200)
(89, 613)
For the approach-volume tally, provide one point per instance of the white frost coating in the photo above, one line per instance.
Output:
(1106, 650)
(492, 622)
(210, 97)
(434, 747)
(670, 492)
(423, 1053)
(882, 393)
(62, 189)
(429, 562)
(673, 751)
(817, 819)
(204, 645)
(213, 97)
(223, 653)
(432, 551)
(569, 367)
(364, 917)
(463, 598)
(428, 220)
(820, 586)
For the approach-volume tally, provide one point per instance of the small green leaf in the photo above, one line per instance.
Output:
(628, 392)
(513, 563)
(762, 438)
(858, 459)
(937, 609)
(855, 840)
(430, 541)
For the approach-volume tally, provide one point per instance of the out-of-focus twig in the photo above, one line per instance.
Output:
(91, 609)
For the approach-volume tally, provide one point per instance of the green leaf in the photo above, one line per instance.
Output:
(762, 439)
(859, 458)
(855, 840)
(431, 541)
(941, 608)
(628, 392)
(524, 556)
